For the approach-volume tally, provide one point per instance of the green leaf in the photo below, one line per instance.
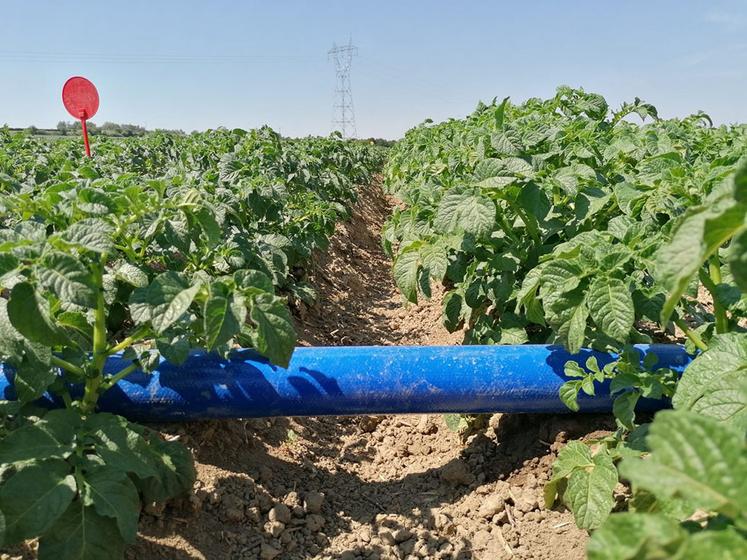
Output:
(163, 301)
(715, 383)
(12, 346)
(594, 105)
(534, 201)
(454, 310)
(32, 499)
(487, 168)
(695, 458)
(573, 456)
(629, 536)
(274, 337)
(112, 494)
(552, 489)
(698, 236)
(212, 230)
(465, 212)
(76, 322)
(500, 113)
(504, 145)
(637, 438)
(738, 260)
(435, 260)
(92, 234)
(405, 271)
(587, 385)
(724, 544)
(224, 315)
(176, 234)
(34, 373)
(174, 349)
(82, 534)
(529, 287)
(304, 292)
(572, 331)
(589, 493)
(568, 393)
(120, 446)
(67, 278)
(29, 315)
(174, 468)
(455, 422)
(624, 408)
(518, 166)
(253, 281)
(49, 438)
(31, 361)
(8, 263)
(131, 274)
(499, 182)
(573, 369)
(513, 335)
(611, 307)
(557, 278)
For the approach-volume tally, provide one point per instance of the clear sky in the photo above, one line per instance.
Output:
(196, 65)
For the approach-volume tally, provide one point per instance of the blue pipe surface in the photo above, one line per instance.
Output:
(351, 380)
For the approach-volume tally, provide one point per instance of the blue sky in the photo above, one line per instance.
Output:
(196, 65)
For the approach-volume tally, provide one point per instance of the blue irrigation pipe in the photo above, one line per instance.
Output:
(351, 380)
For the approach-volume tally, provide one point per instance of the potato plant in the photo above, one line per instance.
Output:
(157, 246)
(563, 221)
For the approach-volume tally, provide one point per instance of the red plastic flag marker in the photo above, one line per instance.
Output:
(81, 100)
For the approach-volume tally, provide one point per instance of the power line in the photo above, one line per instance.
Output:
(344, 114)
(143, 58)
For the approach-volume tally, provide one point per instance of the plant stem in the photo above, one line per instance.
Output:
(64, 364)
(127, 342)
(117, 377)
(692, 335)
(710, 280)
(127, 250)
(507, 229)
(93, 383)
(529, 224)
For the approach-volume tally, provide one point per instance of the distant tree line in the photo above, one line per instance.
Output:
(65, 128)
(107, 129)
(380, 141)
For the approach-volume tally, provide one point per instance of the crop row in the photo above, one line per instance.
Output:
(564, 221)
(155, 246)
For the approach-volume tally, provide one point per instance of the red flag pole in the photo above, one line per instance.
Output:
(81, 100)
(85, 136)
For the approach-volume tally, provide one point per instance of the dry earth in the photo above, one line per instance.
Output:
(390, 487)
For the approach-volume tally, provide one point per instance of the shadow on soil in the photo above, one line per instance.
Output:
(240, 448)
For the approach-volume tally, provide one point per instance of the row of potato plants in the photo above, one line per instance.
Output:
(565, 221)
(155, 246)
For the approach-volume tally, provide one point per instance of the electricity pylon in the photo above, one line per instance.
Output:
(344, 115)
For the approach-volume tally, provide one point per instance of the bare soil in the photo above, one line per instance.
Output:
(395, 487)
(369, 487)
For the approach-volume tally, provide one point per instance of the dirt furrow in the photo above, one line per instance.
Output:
(367, 488)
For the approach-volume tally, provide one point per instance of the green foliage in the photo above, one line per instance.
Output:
(698, 462)
(586, 482)
(576, 225)
(156, 246)
(466, 425)
(716, 382)
(573, 217)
